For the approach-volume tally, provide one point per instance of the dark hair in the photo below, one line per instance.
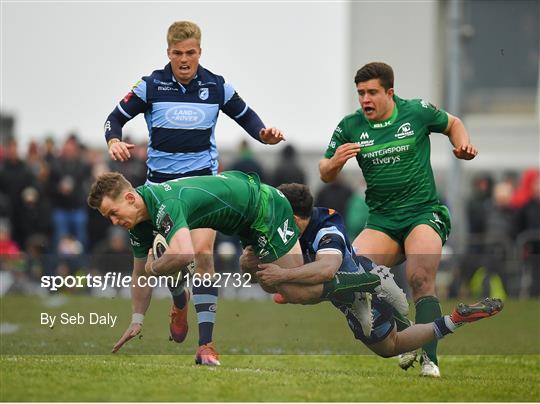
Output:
(376, 70)
(299, 197)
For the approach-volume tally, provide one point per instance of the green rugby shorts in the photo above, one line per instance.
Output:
(399, 224)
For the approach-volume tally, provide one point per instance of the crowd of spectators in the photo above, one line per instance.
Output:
(44, 217)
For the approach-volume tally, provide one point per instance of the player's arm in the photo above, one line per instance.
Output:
(179, 255)
(339, 151)
(140, 300)
(321, 270)
(459, 137)
(131, 105)
(237, 109)
(329, 168)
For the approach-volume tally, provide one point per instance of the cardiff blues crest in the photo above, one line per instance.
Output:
(203, 93)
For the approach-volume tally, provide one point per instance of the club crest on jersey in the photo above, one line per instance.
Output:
(203, 93)
(166, 225)
(404, 131)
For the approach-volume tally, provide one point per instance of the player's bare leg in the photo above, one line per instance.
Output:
(378, 247)
(205, 297)
(423, 248)
(419, 334)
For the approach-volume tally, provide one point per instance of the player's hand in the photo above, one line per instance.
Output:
(271, 274)
(119, 151)
(249, 261)
(148, 265)
(133, 330)
(344, 153)
(465, 152)
(271, 135)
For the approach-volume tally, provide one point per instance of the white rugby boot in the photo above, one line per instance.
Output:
(407, 359)
(389, 291)
(429, 369)
(361, 309)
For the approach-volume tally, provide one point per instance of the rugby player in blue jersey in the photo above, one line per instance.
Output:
(330, 261)
(181, 103)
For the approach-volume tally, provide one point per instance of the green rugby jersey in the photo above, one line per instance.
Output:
(395, 154)
(227, 202)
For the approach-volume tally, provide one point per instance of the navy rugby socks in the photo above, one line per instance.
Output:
(205, 300)
(178, 294)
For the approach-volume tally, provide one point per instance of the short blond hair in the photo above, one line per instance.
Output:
(108, 184)
(181, 30)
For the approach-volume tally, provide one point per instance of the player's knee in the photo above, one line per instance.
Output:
(204, 263)
(421, 282)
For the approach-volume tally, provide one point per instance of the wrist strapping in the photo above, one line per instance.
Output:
(137, 318)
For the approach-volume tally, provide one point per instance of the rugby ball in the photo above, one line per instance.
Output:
(159, 246)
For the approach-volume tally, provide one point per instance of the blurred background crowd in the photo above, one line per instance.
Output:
(46, 227)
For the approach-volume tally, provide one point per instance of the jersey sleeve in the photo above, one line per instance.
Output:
(131, 105)
(330, 239)
(435, 119)
(141, 239)
(237, 109)
(338, 138)
(170, 218)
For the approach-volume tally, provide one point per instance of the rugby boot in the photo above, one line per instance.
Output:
(361, 309)
(389, 291)
(178, 325)
(279, 299)
(407, 359)
(429, 369)
(467, 313)
(207, 355)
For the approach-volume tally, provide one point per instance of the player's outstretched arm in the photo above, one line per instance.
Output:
(330, 168)
(459, 137)
(140, 300)
(314, 273)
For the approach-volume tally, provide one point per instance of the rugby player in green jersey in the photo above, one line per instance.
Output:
(389, 137)
(232, 203)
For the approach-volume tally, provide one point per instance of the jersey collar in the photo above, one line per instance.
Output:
(168, 69)
(386, 122)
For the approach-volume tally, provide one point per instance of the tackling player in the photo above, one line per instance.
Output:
(181, 104)
(389, 137)
(326, 248)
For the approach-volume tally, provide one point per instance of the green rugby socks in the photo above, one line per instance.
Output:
(402, 322)
(347, 282)
(427, 310)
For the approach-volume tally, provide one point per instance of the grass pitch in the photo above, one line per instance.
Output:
(269, 353)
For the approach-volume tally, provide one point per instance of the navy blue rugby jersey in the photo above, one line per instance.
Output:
(181, 119)
(326, 231)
